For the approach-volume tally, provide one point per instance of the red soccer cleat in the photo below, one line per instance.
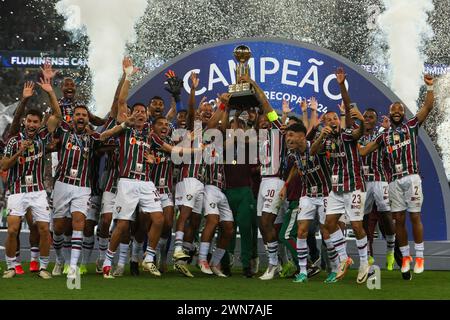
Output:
(19, 269)
(34, 266)
(107, 274)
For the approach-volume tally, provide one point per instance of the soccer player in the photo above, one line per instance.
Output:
(347, 195)
(23, 159)
(376, 177)
(405, 190)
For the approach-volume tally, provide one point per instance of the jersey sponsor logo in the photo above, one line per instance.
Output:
(337, 154)
(399, 145)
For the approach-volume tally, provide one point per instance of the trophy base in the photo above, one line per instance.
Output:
(243, 100)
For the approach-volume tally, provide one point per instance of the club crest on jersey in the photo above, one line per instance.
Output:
(189, 197)
(118, 209)
(69, 146)
(212, 205)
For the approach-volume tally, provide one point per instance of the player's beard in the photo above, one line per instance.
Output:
(396, 123)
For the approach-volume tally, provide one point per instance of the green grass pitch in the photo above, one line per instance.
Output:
(172, 285)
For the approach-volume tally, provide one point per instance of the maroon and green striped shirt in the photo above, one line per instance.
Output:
(342, 152)
(400, 145)
(374, 164)
(162, 169)
(75, 155)
(316, 173)
(27, 175)
(214, 171)
(132, 146)
(111, 165)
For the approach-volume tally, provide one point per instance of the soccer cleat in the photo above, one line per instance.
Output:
(118, 271)
(301, 278)
(204, 267)
(407, 275)
(331, 278)
(288, 269)
(406, 264)
(19, 270)
(183, 269)
(254, 265)
(363, 273)
(107, 273)
(8, 274)
(390, 260)
(216, 270)
(134, 268)
(271, 272)
(99, 266)
(57, 269)
(66, 269)
(419, 265)
(180, 255)
(72, 274)
(371, 260)
(34, 266)
(313, 270)
(83, 269)
(343, 267)
(151, 267)
(44, 274)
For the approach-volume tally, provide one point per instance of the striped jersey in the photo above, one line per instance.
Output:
(162, 169)
(133, 144)
(271, 151)
(295, 186)
(400, 145)
(67, 106)
(315, 172)
(27, 175)
(111, 172)
(374, 164)
(342, 152)
(75, 156)
(214, 171)
(194, 168)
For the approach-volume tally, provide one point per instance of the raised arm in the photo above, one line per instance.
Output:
(286, 110)
(221, 111)
(428, 104)
(115, 104)
(172, 111)
(340, 77)
(129, 70)
(191, 110)
(343, 114)
(265, 104)
(56, 116)
(358, 132)
(129, 121)
(28, 91)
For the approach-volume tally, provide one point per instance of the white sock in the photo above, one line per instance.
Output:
(272, 248)
(405, 250)
(43, 262)
(302, 254)
(332, 255)
(362, 250)
(178, 245)
(88, 245)
(419, 249)
(102, 247)
(58, 241)
(123, 254)
(10, 262)
(216, 257)
(136, 251)
(390, 243)
(77, 243)
(34, 251)
(109, 257)
(339, 244)
(150, 256)
(204, 249)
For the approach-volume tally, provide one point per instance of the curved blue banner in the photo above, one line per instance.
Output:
(293, 70)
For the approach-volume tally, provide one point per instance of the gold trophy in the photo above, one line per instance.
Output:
(242, 93)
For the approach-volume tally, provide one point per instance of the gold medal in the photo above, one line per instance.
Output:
(333, 146)
(31, 148)
(396, 137)
(234, 162)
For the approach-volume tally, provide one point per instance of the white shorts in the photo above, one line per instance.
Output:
(68, 198)
(17, 205)
(268, 196)
(348, 203)
(179, 193)
(192, 194)
(309, 207)
(215, 202)
(94, 208)
(108, 202)
(130, 194)
(406, 194)
(378, 192)
(166, 200)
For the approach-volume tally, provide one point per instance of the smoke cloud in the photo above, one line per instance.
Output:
(109, 24)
